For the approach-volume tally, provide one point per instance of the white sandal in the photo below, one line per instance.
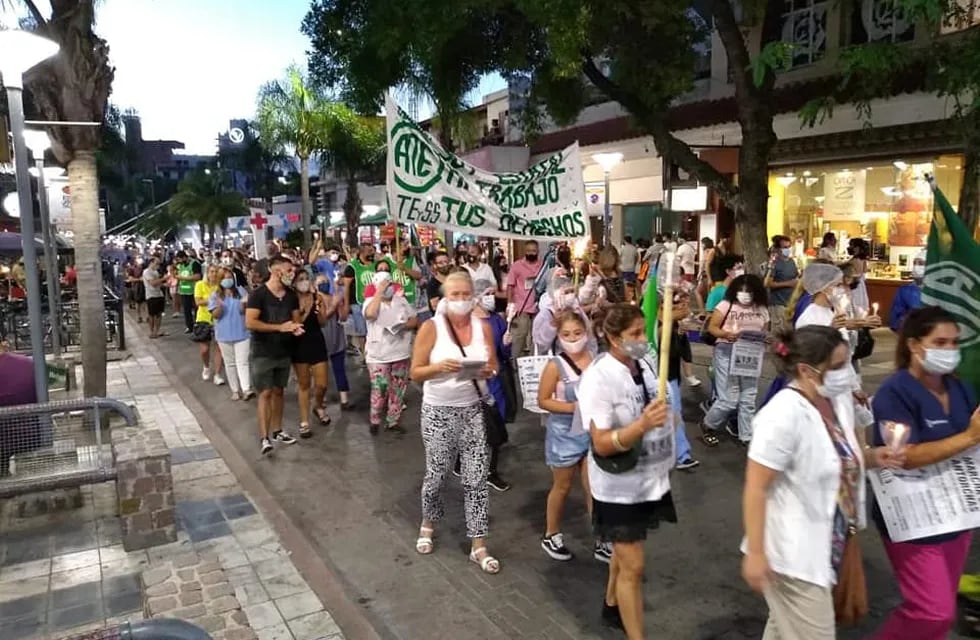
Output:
(424, 544)
(488, 564)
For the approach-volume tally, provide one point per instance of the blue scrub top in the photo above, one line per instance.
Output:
(902, 398)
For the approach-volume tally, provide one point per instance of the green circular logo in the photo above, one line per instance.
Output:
(418, 167)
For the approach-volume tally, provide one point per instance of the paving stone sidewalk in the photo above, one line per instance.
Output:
(66, 573)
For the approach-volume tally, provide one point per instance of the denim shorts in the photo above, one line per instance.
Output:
(358, 325)
(562, 449)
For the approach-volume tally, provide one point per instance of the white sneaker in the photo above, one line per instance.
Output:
(205, 373)
(218, 380)
(235, 395)
(693, 381)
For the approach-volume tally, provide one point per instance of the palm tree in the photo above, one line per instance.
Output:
(75, 86)
(292, 114)
(201, 199)
(355, 152)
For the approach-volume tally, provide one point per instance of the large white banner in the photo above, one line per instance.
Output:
(940, 498)
(428, 185)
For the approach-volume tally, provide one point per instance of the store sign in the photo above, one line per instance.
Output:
(595, 199)
(428, 185)
(844, 195)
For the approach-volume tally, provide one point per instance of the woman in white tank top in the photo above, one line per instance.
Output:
(452, 417)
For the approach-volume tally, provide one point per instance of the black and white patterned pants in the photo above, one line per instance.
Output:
(447, 431)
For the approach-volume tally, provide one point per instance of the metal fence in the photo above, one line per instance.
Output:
(154, 629)
(57, 444)
(15, 325)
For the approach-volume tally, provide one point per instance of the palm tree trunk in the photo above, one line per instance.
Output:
(84, 188)
(352, 211)
(304, 186)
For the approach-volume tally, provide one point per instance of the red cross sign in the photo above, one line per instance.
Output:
(258, 221)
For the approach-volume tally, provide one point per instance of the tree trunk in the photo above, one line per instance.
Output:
(304, 187)
(352, 211)
(84, 187)
(969, 201)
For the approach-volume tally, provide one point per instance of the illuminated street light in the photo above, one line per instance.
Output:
(607, 161)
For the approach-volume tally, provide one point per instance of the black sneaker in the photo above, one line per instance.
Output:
(498, 483)
(283, 437)
(554, 546)
(687, 463)
(266, 446)
(602, 551)
(731, 430)
(610, 616)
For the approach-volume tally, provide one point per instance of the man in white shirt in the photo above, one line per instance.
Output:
(152, 284)
(628, 257)
(477, 268)
(686, 255)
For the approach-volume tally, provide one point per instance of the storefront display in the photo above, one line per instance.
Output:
(886, 202)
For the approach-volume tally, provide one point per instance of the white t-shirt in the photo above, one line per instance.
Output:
(381, 345)
(482, 271)
(789, 436)
(628, 256)
(685, 255)
(149, 276)
(610, 399)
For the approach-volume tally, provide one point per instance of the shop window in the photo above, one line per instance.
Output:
(880, 21)
(804, 25)
(962, 14)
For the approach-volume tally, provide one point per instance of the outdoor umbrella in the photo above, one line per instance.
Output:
(10, 243)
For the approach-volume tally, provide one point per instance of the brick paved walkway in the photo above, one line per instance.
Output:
(356, 500)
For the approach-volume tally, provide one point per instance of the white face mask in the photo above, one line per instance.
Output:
(940, 362)
(575, 346)
(836, 382)
(488, 302)
(744, 298)
(918, 271)
(303, 286)
(737, 273)
(459, 307)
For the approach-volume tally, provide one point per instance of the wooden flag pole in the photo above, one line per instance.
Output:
(667, 317)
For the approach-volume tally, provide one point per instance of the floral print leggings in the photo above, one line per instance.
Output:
(388, 383)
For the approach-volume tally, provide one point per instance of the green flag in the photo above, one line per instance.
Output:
(952, 281)
(650, 306)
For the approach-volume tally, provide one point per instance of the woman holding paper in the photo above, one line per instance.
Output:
(452, 416)
(390, 320)
(632, 453)
(925, 403)
(804, 493)
(742, 316)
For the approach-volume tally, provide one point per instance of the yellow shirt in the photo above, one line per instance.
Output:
(203, 291)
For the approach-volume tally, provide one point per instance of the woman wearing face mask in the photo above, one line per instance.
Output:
(860, 252)
(564, 451)
(452, 416)
(559, 297)
(619, 408)
(909, 296)
(804, 491)
(745, 308)
(227, 307)
(204, 325)
(390, 322)
(485, 310)
(333, 332)
(310, 355)
(943, 420)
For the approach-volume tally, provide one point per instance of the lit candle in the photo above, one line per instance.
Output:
(578, 253)
(874, 308)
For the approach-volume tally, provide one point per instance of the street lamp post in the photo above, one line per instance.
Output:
(38, 142)
(19, 51)
(607, 161)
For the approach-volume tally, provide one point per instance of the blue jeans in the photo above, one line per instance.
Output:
(733, 394)
(682, 447)
(338, 362)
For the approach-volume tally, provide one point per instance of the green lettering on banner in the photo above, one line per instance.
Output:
(419, 167)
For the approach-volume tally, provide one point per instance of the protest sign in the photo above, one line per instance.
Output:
(428, 185)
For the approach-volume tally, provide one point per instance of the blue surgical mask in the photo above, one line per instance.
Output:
(787, 252)
(227, 283)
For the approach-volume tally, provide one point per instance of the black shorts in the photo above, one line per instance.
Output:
(155, 307)
(269, 373)
(613, 522)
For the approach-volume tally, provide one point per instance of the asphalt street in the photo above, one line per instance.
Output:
(356, 498)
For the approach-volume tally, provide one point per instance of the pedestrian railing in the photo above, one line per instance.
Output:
(153, 629)
(57, 444)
